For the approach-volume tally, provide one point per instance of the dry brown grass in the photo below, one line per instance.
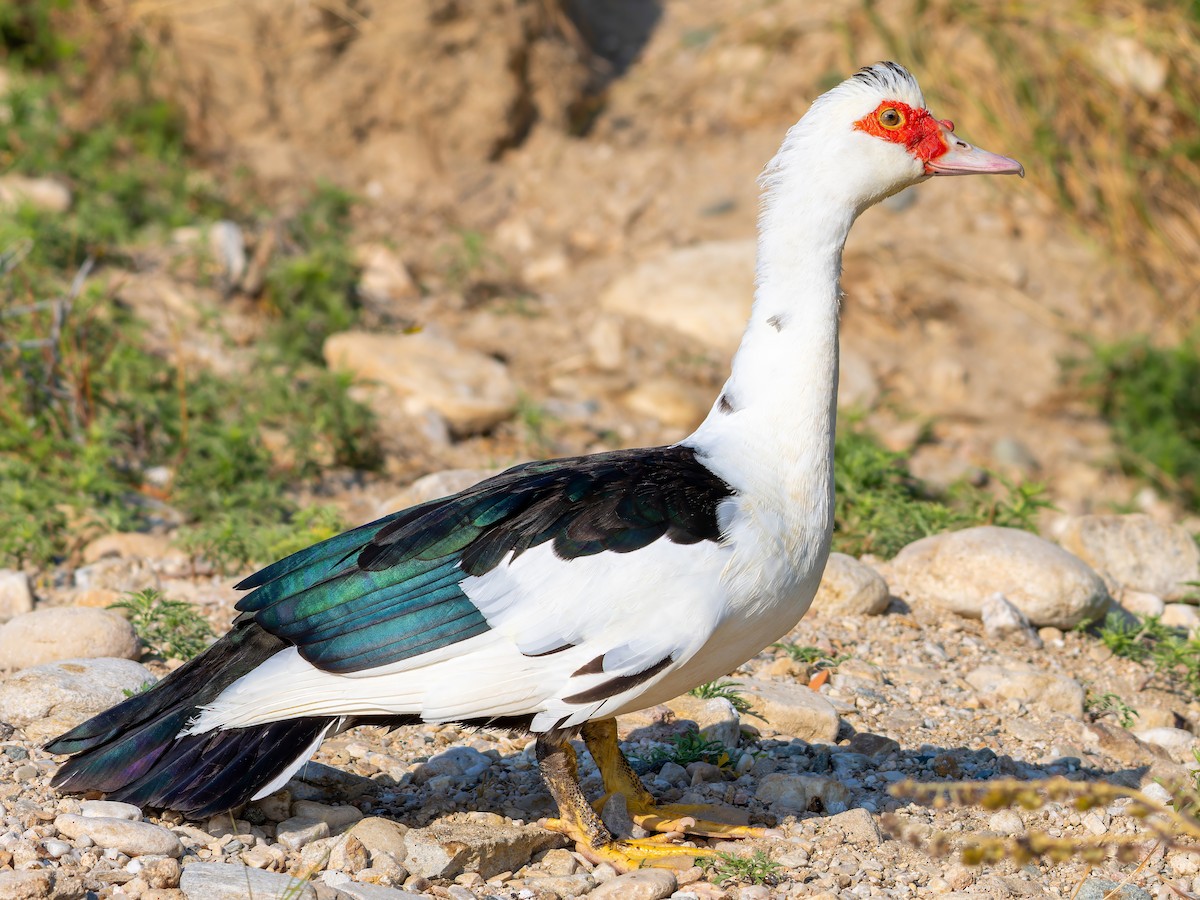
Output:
(1103, 98)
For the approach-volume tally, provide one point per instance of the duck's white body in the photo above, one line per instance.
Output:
(561, 593)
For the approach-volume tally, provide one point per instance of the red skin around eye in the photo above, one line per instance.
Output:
(921, 133)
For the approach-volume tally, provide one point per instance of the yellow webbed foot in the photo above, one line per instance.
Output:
(631, 854)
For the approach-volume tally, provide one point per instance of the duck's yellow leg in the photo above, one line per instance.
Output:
(577, 819)
(702, 819)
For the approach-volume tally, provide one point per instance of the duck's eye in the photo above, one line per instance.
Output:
(891, 118)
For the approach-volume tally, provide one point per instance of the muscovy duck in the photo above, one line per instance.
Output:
(560, 594)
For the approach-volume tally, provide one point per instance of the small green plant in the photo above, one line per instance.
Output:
(168, 628)
(140, 689)
(1151, 398)
(812, 656)
(727, 690)
(685, 749)
(728, 868)
(1170, 651)
(310, 286)
(1110, 704)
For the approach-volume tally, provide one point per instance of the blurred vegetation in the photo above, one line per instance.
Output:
(880, 506)
(1105, 95)
(99, 432)
(1151, 398)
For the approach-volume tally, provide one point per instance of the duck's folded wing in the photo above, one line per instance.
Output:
(394, 590)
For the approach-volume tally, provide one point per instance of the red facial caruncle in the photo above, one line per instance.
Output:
(913, 127)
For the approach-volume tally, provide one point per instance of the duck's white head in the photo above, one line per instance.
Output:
(872, 136)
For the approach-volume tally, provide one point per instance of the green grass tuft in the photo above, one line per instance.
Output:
(728, 690)
(168, 628)
(1151, 398)
(685, 749)
(1174, 656)
(880, 506)
(728, 868)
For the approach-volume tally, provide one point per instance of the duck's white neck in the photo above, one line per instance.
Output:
(770, 432)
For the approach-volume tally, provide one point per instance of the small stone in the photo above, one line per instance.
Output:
(452, 846)
(471, 391)
(336, 817)
(384, 278)
(1184, 862)
(850, 588)
(16, 594)
(160, 871)
(644, 884)
(1178, 742)
(295, 832)
(1181, 615)
(43, 884)
(1025, 683)
(110, 809)
(791, 709)
(958, 877)
(228, 247)
(1104, 889)
(455, 762)
(691, 288)
(45, 194)
(803, 793)
(58, 633)
(874, 745)
(716, 717)
(130, 838)
(130, 545)
(358, 891)
(856, 825)
(667, 401)
(229, 881)
(1003, 620)
(1137, 552)
(616, 818)
(1006, 822)
(1141, 603)
(958, 570)
(381, 837)
(49, 699)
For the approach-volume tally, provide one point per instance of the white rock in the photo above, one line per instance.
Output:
(130, 838)
(451, 846)
(1006, 822)
(715, 717)
(228, 247)
(790, 709)
(45, 194)
(471, 391)
(65, 632)
(701, 292)
(1136, 551)
(109, 809)
(958, 570)
(1181, 615)
(1176, 741)
(1029, 685)
(49, 699)
(644, 884)
(228, 881)
(796, 792)
(336, 817)
(667, 401)
(384, 277)
(40, 884)
(850, 587)
(295, 832)
(1003, 620)
(1141, 603)
(16, 594)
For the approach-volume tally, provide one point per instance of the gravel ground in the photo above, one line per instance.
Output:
(909, 704)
